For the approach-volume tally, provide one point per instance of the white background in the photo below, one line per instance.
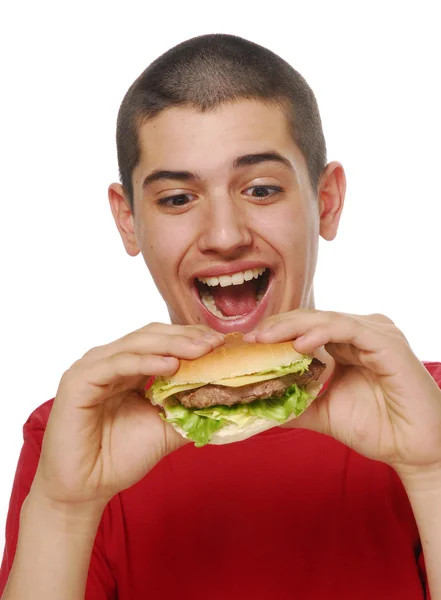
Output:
(66, 282)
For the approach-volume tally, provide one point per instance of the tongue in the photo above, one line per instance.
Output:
(236, 299)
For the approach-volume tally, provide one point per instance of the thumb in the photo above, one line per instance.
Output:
(315, 417)
(173, 439)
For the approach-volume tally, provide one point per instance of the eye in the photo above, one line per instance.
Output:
(175, 201)
(263, 191)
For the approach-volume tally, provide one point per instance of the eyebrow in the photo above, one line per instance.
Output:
(174, 175)
(247, 160)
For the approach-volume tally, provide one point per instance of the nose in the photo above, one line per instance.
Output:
(224, 227)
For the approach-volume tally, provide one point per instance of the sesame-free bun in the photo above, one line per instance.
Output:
(233, 359)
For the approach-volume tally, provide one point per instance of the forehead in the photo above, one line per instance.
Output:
(182, 138)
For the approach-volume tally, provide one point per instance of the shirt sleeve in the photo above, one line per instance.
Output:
(100, 583)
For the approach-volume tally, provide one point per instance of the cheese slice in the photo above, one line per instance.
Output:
(161, 395)
(245, 380)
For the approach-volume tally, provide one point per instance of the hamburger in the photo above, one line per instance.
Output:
(237, 390)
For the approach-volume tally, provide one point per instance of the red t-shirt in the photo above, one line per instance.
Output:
(286, 514)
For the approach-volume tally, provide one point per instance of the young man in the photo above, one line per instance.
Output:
(223, 169)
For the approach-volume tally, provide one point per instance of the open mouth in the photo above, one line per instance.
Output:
(232, 296)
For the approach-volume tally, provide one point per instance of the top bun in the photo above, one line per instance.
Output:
(233, 359)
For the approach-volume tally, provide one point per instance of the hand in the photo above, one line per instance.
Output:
(103, 435)
(381, 400)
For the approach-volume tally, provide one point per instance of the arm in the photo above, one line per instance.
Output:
(100, 583)
(381, 402)
(102, 437)
(424, 493)
(53, 551)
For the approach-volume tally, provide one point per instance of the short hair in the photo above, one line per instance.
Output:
(210, 70)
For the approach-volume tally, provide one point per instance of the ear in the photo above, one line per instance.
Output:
(122, 213)
(331, 196)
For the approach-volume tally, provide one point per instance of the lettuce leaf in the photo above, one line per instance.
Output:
(201, 423)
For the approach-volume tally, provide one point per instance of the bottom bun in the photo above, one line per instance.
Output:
(233, 433)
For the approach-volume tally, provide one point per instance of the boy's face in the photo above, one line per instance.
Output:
(221, 193)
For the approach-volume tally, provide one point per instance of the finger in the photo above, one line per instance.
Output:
(306, 318)
(269, 322)
(352, 340)
(278, 327)
(347, 354)
(374, 343)
(285, 328)
(315, 417)
(89, 381)
(313, 329)
(173, 439)
(162, 344)
(378, 318)
(309, 339)
(190, 330)
(267, 327)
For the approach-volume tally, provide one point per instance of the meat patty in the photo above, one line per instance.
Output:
(211, 395)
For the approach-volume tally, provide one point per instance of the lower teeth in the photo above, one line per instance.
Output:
(209, 303)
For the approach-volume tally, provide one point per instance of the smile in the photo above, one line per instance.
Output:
(235, 301)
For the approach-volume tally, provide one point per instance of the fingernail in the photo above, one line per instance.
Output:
(149, 383)
(249, 337)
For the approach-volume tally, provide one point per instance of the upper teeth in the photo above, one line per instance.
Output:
(234, 278)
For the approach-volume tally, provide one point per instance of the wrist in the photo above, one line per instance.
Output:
(80, 517)
(421, 481)
(54, 546)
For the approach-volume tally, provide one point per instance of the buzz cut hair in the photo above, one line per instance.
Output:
(206, 72)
